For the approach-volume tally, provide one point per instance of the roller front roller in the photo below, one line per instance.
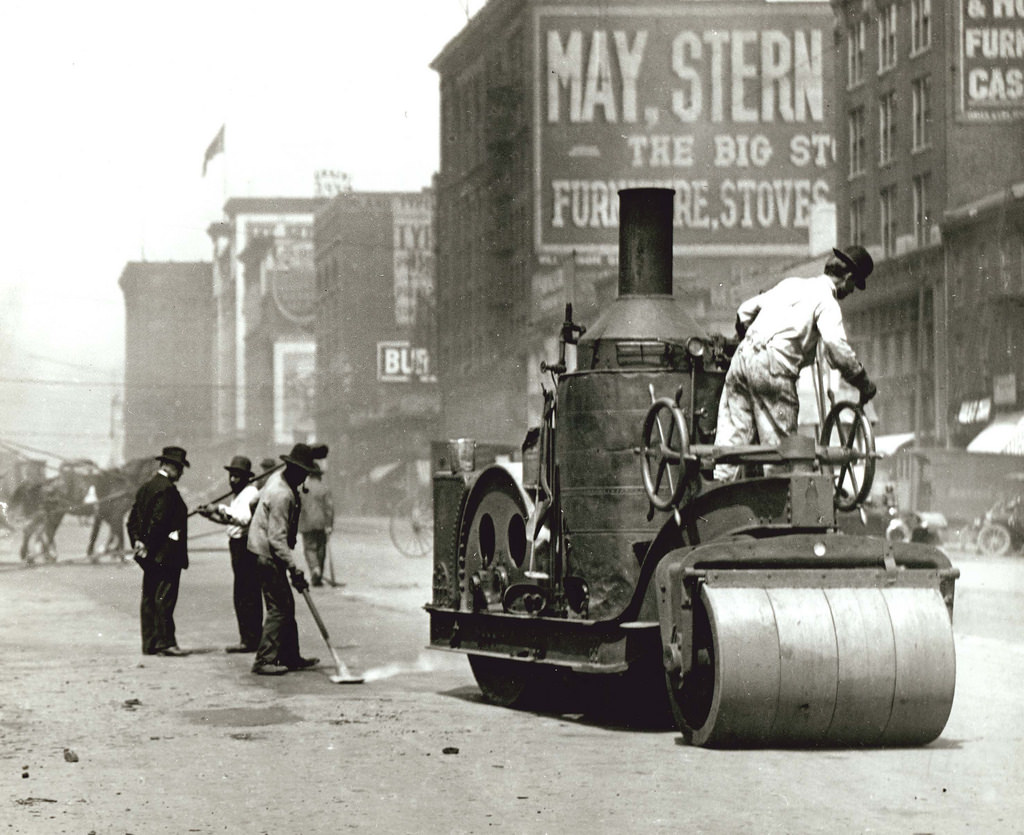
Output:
(801, 657)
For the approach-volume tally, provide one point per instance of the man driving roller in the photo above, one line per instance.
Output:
(779, 332)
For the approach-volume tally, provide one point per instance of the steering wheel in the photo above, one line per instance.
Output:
(666, 445)
(847, 424)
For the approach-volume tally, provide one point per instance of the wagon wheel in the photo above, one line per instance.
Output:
(666, 448)
(412, 527)
(855, 435)
(994, 539)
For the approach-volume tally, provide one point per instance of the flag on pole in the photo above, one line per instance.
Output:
(214, 148)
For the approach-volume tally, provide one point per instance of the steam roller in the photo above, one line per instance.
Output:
(610, 567)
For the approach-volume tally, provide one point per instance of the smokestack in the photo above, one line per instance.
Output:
(645, 241)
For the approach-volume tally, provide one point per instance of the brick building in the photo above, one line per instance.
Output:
(169, 340)
(264, 300)
(931, 180)
(377, 398)
(548, 108)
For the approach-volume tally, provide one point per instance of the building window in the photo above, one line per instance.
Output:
(856, 41)
(922, 106)
(887, 128)
(922, 182)
(857, 220)
(857, 141)
(887, 216)
(887, 38)
(920, 25)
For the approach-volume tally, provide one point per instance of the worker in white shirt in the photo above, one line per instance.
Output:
(779, 333)
(237, 514)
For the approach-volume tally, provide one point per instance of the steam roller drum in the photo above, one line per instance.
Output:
(825, 666)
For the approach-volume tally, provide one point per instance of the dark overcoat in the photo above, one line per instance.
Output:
(159, 519)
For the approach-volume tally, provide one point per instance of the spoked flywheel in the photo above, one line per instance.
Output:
(848, 429)
(666, 466)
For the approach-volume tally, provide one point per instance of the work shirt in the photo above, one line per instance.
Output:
(317, 507)
(239, 511)
(273, 530)
(789, 319)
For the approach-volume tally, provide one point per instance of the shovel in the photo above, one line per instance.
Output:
(343, 676)
(330, 567)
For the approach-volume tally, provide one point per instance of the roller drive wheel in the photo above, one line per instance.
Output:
(519, 684)
(994, 539)
(817, 666)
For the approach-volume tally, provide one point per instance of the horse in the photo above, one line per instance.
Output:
(44, 502)
(114, 490)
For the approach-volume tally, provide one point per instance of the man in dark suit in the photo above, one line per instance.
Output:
(158, 528)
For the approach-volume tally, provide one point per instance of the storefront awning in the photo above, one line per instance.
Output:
(1005, 435)
(891, 444)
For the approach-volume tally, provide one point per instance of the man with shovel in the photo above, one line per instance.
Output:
(273, 533)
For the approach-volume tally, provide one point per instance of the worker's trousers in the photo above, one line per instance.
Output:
(279, 643)
(759, 403)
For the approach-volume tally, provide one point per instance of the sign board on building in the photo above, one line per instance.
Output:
(413, 240)
(724, 103)
(294, 390)
(991, 60)
(401, 362)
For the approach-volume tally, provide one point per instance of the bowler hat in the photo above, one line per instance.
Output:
(302, 456)
(175, 455)
(858, 260)
(240, 464)
(268, 464)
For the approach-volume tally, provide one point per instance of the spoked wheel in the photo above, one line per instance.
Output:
(994, 539)
(412, 528)
(846, 426)
(666, 445)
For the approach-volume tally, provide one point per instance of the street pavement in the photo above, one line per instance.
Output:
(97, 738)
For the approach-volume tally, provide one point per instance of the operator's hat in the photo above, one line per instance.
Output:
(858, 260)
(241, 465)
(175, 455)
(302, 456)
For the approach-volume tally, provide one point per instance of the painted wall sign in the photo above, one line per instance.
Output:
(991, 60)
(401, 362)
(727, 104)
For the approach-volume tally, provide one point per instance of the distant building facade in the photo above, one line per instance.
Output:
(931, 179)
(264, 297)
(376, 393)
(169, 351)
(549, 107)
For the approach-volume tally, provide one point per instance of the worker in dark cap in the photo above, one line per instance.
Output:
(273, 534)
(158, 530)
(779, 332)
(236, 514)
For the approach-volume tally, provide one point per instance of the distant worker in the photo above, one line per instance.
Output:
(779, 332)
(158, 531)
(273, 533)
(316, 521)
(237, 514)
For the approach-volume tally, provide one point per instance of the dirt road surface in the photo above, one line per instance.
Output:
(97, 738)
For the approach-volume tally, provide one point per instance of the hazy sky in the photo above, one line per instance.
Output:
(108, 108)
